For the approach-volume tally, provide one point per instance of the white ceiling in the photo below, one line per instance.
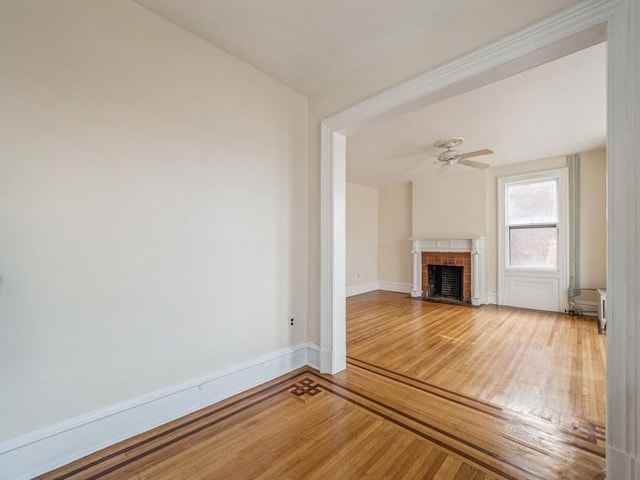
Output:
(555, 109)
(307, 44)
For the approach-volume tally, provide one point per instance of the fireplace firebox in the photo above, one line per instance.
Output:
(445, 282)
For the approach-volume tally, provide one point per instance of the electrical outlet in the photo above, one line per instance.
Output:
(291, 322)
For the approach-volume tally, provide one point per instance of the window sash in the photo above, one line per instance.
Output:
(534, 264)
(532, 225)
(545, 180)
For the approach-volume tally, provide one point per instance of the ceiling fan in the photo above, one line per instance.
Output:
(451, 156)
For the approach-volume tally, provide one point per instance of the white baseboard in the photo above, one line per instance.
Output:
(371, 286)
(395, 287)
(492, 298)
(313, 355)
(587, 308)
(622, 464)
(361, 288)
(588, 304)
(38, 452)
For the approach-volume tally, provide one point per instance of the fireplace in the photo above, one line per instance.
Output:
(449, 270)
(445, 282)
(453, 264)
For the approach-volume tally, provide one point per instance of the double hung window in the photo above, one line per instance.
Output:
(532, 217)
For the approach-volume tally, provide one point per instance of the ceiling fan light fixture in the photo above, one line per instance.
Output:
(450, 155)
(449, 143)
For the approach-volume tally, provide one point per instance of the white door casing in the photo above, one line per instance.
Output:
(333, 290)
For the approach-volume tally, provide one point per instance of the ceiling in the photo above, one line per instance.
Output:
(552, 110)
(307, 44)
(555, 109)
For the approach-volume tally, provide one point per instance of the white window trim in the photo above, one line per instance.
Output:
(561, 176)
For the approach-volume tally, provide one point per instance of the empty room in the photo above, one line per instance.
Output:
(457, 254)
(319, 239)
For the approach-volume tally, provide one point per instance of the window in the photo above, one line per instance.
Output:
(531, 210)
(533, 240)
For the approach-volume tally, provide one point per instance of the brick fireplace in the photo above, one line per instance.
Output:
(467, 254)
(457, 259)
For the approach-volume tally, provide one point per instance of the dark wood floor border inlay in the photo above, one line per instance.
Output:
(181, 437)
(351, 361)
(422, 386)
(273, 389)
(585, 431)
(305, 387)
(589, 430)
(440, 443)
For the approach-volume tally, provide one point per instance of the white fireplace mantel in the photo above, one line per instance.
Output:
(475, 246)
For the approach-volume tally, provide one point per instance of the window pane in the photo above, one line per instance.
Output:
(533, 247)
(529, 203)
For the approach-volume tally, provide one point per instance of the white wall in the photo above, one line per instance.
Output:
(450, 205)
(362, 236)
(378, 229)
(153, 206)
(464, 205)
(394, 231)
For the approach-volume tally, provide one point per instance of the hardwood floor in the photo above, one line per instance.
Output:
(543, 364)
(393, 415)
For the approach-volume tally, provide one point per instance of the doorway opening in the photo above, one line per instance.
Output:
(591, 22)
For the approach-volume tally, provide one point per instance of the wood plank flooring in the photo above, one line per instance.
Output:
(543, 364)
(385, 416)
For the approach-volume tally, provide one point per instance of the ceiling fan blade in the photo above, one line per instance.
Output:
(477, 153)
(443, 168)
(473, 164)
